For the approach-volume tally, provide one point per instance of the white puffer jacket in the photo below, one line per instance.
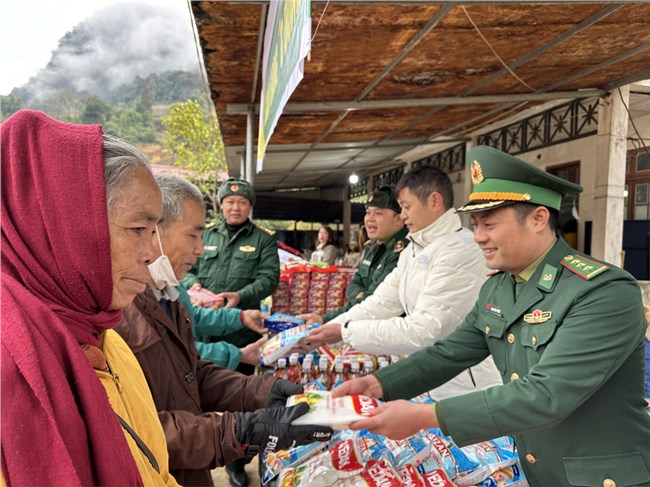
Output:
(435, 284)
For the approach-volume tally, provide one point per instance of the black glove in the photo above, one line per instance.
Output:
(280, 391)
(270, 429)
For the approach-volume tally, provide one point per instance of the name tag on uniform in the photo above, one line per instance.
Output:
(365, 262)
(247, 248)
(490, 308)
(209, 247)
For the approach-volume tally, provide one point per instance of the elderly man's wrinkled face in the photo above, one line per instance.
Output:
(181, 239)
(236, 209)
(132, 220)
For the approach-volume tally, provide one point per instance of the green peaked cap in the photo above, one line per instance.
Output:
(238, 187)
(384, 197)
(500, 179)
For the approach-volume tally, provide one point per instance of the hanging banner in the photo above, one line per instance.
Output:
(287, 41)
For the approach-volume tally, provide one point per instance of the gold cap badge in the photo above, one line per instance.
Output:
(477, 173)
(234, 187)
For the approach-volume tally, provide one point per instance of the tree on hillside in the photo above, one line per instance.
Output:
(66, 105)
(96, 111)
(132, 125)
(196, 145)
(9, 105)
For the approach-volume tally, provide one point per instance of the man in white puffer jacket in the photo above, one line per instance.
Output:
(433, 287)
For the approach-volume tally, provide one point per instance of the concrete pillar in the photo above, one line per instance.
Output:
(611, 148)
(248, 174)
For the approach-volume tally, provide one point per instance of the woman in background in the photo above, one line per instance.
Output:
(352, 256)
(325, 251)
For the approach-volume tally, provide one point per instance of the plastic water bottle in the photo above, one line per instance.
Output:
(293, 371)
(338, 377)
(281, 370)
(354, 370)
(368, 368)
(265, 306)
(306, 375)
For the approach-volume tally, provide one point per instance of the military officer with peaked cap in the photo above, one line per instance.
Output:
(565, 330)
(388, 234)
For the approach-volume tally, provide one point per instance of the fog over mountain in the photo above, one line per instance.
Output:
(112, 47)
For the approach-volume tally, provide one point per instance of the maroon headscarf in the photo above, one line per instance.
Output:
(58, 427)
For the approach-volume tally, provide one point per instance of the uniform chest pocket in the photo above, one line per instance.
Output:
(537, 335)
(622, 470)
(209, 254)
(492, 326)
(364, 270)
(244, 264)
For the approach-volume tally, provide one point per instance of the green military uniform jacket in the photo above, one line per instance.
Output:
(213, 323)
(377, 261)
(570, 352)
(247, 263)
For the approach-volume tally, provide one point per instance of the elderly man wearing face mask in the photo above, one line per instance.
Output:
(187, 390)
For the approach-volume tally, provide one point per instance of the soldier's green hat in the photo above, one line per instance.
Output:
(500, 179)
(384, 197)
(237, 187)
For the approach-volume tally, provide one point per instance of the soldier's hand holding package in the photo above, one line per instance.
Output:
(382, 419)
(270, 429)
(311, 318)
(326, 334)
(232, 299)
(252, 319)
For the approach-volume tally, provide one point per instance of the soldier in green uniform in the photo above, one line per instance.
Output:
(388, 234)
(566, 333)
(240, 259)
(240, 262)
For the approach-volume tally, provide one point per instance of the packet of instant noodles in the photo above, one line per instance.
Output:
(280, 345)
(278, 322)
(338, 413)
(375, 474)
(204, 298)
(341, 461)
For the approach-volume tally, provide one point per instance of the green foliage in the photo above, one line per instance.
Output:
(195, 145)
(96, 111)
(167, 87)
(132, 125)
(66, 105)
(9, 105)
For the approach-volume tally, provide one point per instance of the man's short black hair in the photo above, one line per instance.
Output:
(424, 180)
(522, 210)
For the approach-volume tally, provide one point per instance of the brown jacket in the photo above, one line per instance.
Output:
(186, 390)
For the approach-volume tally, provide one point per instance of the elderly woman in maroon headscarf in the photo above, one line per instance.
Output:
(78, 214)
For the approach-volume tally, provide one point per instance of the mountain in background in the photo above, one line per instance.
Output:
(113, 47)
(122, 68)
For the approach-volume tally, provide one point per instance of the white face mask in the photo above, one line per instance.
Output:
(161, 269)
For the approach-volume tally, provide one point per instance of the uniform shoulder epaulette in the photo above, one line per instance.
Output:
(583, 266)
(265, 230)
(211, 224)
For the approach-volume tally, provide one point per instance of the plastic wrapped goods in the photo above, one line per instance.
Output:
(337, 413)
